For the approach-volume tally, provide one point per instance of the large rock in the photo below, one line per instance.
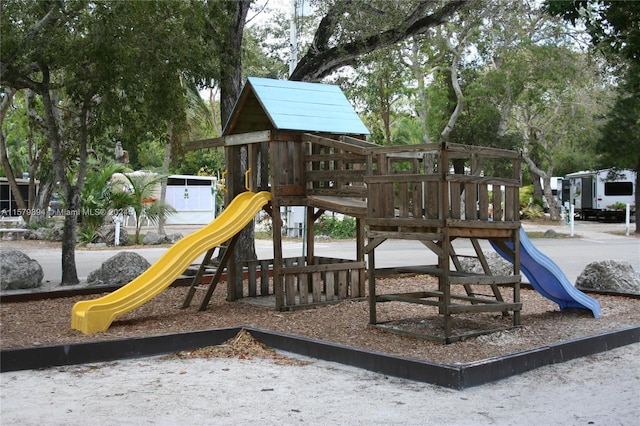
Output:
(50, 234)
(174, 238)
(610, 275)
(107, 235)
(56, 233)
(154, 238)
(497, 265)
(119, 269)
(19, 271)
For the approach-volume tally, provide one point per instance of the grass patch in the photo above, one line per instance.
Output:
(262, 235)
(540, 234)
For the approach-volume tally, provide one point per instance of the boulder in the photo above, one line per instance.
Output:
(610, 275)
(174, 238)
(56, 233)
(51, 234)
(19, 271)
(550, 233)
(154, 238)
(33, 234)
(119, 269)
(497, 265)
(107, 235)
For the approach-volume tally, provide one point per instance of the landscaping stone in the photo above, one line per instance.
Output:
(497, 265)
(174, 238)
(610, 275)
(154, 238)
(19, 271)
(108, 235)
(119, 269)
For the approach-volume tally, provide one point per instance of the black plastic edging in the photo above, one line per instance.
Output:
(493, 369)
(397, 366)
(83, 353)
(457, 376)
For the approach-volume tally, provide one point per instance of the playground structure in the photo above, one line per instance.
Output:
(301, 144)
(392, 194)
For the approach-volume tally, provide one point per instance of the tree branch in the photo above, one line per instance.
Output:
(322, 60)
(48, 18)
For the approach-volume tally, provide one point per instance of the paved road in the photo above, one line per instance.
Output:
(592, 242)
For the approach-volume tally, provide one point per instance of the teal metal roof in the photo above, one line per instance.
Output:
(266, 104)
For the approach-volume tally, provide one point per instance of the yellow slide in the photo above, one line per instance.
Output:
(93, 316)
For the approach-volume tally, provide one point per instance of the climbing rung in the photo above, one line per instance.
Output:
(482, 295)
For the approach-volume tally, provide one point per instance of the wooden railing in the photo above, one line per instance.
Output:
(325, 280)
(336, 167)
(418, 186)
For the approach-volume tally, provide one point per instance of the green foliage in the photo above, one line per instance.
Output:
(87, 234)
(617, 206)
(380, 85)
(531, 207)
(44, 224)
(406, 131)
(194, 161)
(532, 212)
(140, 196)
(262, 53)
(526, 195)
(97, 196)
(336, 228)
(614, 26)
(619, 145)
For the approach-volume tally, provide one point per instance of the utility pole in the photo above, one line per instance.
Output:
(293, 37)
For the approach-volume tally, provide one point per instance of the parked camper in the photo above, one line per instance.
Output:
(601, 194)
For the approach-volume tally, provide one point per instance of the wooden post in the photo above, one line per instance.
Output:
(360, 236)
(278, 282)
(372, 286)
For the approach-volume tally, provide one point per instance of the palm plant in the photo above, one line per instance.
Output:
(97, 201)
(142, 197)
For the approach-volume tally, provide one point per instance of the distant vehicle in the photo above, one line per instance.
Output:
(600, 194)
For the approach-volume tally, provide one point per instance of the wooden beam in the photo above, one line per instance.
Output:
(239, 139)
(333, 143)
(248, 138)
(326, 267)
(204, 143)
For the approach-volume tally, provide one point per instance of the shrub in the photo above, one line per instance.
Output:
(532, 212)
(336, 228)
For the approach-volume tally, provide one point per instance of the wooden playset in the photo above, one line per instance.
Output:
(304, 144)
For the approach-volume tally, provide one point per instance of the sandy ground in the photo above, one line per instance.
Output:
(602, 389)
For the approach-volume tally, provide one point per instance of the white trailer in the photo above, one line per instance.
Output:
(601, 194)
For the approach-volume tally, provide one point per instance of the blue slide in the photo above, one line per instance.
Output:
(546, 277)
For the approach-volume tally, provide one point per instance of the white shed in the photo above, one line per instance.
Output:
(193, 197)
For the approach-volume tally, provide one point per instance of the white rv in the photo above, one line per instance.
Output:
(601, 194)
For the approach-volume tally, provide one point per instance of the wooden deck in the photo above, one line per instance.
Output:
(345, 205)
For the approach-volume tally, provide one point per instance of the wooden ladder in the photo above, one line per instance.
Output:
(210, 288)
(485, 267)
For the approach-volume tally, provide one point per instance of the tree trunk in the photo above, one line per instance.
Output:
(59, 156)
(163, 185)
(40, 203)
(4, 159)
(72, 209)
(230, 87)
